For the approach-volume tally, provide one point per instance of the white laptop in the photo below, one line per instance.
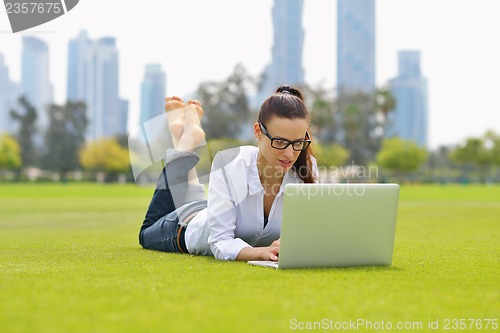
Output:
(337, 225)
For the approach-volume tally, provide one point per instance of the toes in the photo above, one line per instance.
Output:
(194, 101)
(172, 103)
(199, 108)
(176, 98)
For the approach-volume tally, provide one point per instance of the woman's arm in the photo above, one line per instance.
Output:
(260, 253)
(221, 210)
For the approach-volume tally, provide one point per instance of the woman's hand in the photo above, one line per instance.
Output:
(273, 251)
(276, 243)
(270, 252)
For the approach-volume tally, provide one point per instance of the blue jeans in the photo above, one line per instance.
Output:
(174, 200)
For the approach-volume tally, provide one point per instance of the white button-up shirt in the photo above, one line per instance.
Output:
(234, 218)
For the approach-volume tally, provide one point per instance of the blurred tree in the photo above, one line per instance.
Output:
(10, 156)
(27, 130)
(322, 111)
(354, 123)
(356, 119)
(64, 137)
(439, 165)
(401, 156)
(480, 152)
(328, 155)
(495, 154)
(105, 155)
(492, 143)
(122, 140)
(385, 103)
(473, 151)
(362, 120)
(226, 105)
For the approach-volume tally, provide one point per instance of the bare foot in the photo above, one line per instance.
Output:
(175, 116)
(192, 135)
(199, 109)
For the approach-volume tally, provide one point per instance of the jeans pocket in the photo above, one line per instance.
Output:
(161, 236)
(168, 229)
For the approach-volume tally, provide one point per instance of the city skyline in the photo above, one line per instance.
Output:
(286, 65)
(8, 89)
(35, 77)
(409, 119)
(356, 42)
(94, 77)
(153, 88)
(458, 60)
(288, 40)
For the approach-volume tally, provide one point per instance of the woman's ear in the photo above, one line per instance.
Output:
(256, 130)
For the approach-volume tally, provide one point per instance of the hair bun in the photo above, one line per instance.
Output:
(287, 89)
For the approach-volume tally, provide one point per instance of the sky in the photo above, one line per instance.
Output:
(199, 40)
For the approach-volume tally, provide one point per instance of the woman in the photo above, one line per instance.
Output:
(241, 218)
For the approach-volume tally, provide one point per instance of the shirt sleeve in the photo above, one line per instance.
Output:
(221, 213)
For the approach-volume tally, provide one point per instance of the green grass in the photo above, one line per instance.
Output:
(70, 262)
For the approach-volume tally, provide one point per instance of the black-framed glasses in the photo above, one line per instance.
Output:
(282, 144)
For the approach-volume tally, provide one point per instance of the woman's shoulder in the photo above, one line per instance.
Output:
(241, 154)
(234, 165)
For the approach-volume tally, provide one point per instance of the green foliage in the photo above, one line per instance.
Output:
(71, 262)
(104, 155)
(401, 156)
(357, 120)
(328, 155)
(226, 105)
(495, 151)
(10, 156)
(385, 102)
(362, 118)
(64, 136)
(482, 152)
(322, 113)
(473, 151)
(27, 131)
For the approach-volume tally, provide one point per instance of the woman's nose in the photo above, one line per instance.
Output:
(288, 152)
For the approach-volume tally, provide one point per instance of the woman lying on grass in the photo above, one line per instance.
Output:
(241, 219)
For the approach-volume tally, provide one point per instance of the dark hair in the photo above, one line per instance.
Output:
(288, 102)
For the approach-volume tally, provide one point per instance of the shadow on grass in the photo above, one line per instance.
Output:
(208, 260)
(356, 269)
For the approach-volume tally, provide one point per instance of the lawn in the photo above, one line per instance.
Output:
(70, 262)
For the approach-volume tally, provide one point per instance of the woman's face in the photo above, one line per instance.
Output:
(274, 162)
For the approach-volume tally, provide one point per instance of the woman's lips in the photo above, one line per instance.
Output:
(285, 163)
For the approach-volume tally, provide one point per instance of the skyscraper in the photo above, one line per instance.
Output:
(93, 78)
(356, 46)
(286, 64)
(79, 60)
(8, 96)
(409, 119)
(152, 93)
(35, 84)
